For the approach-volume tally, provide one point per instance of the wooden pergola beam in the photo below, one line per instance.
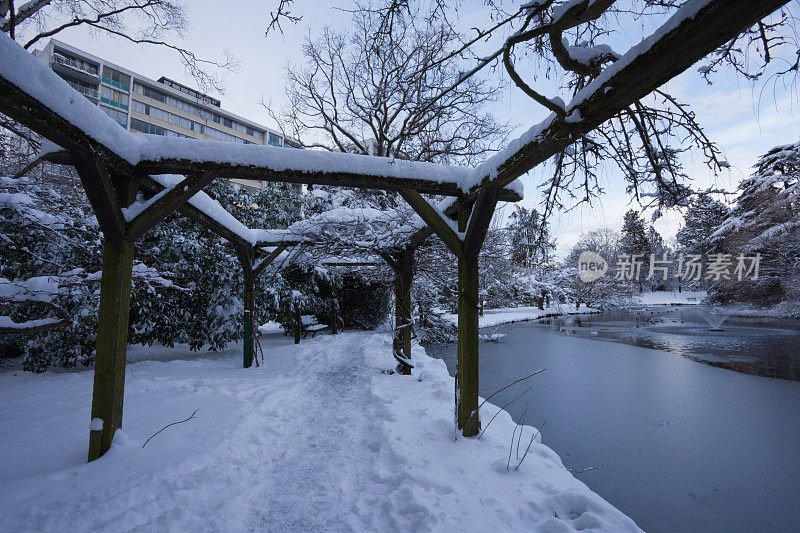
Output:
(713, 25)
(262, 264)
(339, 179)
(195, 214)
(253, 173)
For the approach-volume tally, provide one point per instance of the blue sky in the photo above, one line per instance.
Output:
(744, 122)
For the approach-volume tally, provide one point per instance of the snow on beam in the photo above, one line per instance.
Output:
(38, 98)
(695, 30)
(276, 164)
(274, 237)
(205, 219)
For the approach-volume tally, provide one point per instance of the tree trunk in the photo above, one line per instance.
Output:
(112, 345)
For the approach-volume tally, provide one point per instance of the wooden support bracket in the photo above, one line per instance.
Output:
(434, 219)
(166, 204)
(262, 264)
(102, 195)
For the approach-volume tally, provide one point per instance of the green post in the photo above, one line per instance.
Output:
(248, 344)
(298, 326)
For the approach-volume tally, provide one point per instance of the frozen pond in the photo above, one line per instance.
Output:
(683, 446)
(754, 345)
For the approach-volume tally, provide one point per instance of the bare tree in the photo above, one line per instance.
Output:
(375, 90)
(148, 22)
(568, 41)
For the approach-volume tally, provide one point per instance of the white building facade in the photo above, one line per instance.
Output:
(160, 107)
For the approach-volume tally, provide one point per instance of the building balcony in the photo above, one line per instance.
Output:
(88, 92)
(76, 66)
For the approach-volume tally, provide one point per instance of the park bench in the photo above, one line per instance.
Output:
(310, 325)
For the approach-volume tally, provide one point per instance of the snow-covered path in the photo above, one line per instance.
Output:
(321, 438)
(317, 483)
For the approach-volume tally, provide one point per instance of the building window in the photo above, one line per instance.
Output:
(117, 79)
(169, 100)
(119, 116)
(275, 140)
(222, 136)
(146, 127)
(166, 116)
(113, 97)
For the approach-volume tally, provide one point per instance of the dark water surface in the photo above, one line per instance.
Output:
(683, 446)
(753, 345)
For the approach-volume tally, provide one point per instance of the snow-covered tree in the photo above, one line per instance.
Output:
(765, 222)
(529, 235)
(607, 291)
(635, 242)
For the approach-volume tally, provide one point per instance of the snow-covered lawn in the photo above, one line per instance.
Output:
(672, 297)
(318, 438)
(508, 315)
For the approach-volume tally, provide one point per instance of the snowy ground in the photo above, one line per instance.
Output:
(509, 315)
(319, 438)
(672, 298)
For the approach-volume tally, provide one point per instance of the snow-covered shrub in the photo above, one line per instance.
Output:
(195, 297)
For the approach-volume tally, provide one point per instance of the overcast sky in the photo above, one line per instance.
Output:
(730, 110)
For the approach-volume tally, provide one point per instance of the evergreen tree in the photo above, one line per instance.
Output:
(702, 218)
(766, 221)
(634, 241)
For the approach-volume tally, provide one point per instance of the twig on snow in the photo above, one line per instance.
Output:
(168, 425)
(502, 409)
(475, 412)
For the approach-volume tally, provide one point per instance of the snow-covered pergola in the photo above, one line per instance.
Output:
(115, 165)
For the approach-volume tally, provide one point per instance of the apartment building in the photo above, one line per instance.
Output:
(160, 107)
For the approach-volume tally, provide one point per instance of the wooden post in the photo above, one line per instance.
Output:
(474, 223)
(250, 318)
(298, 326)
(112, 345)
(468, 419)
(334, 315)
(247, 356)
(404, 275)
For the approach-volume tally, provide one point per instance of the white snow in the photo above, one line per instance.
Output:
(96, 424)
(508, 315)
(672, 298)
(8, 322)
(317, 438)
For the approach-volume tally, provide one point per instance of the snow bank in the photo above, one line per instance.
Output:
(508, 315)
(321, 437)
(672, 298)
